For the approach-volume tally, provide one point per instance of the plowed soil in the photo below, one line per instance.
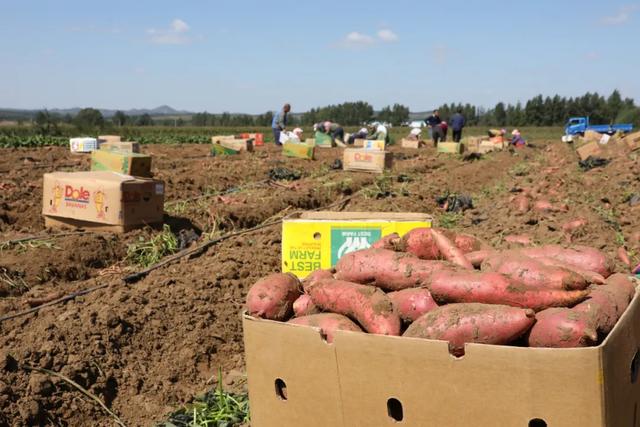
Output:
(147, 347)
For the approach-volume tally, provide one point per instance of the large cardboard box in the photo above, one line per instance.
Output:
(126, 163)
(359, 142)
(592, 136)
(633, 140)
(299, 150)
(218, 138)
(108, 138)
(360, 159)
(105, 200)
(314, 240)
(450, 147)
(124, 146)
(374, 144)
(323, 140)
(589, 149)
(296, 379)
(232, 143)
(411, 143)
(83, 144)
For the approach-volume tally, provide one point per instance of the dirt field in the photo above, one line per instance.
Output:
(148, 347)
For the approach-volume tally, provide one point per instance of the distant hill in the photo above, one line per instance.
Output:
(163, 110)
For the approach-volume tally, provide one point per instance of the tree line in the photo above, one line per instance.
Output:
(538, 111)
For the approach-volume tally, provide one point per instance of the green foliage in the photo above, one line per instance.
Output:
(145, 253)
(120, 119)
(395, 115)
(449, 219)
(347, 114)
(217, 408)
(89, 120)
(46, 123)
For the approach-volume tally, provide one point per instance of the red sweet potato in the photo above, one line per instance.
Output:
(328, 323)
(608, 302)
(477, 257)
(521, 204)
(569, 228)
(368, 305)
(545, 206)
(315, 276)
(496, 288)
(467, 243)
(587, 258)
(386, 269)
(449, 250)
(390, 241)
(412, 303)
(624, 256)
(589, 276)
(533, 273)
(419, 242)
(272, 297)
(562, 328)
(472, 323)
(520, 239)
(303, 306)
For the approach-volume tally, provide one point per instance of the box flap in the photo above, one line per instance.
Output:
(100, 176)
(374, 216)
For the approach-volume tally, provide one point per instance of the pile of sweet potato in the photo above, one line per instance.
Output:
(437, 284)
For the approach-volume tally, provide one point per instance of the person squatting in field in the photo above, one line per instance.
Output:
(378, 132)
(414, 135)
(332, 129)
(279, 122)
(517, 140)
(361, 134)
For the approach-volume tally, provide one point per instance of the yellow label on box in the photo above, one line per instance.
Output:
(320, 239)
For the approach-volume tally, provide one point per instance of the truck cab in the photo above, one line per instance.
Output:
(576, 125)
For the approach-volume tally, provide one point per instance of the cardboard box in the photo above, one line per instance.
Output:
(258, 138)
(220, 150)
(323, 140)
(374, 144)
(126, 163)
(314, 240)
(359, 142)
(450, 147)
(411, 143)
(297, 379)
(299, 150)
(108, 138)
(218, 138)
(360, 159)
(105, 200)
(125, 147)
(83, 144)
(633, 140)
(592, 136)
(589, 149)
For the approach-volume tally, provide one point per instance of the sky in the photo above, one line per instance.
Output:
(253, 56)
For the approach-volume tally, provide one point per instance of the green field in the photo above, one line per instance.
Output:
(24, 136)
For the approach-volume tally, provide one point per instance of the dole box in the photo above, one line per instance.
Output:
(101, 200)
(317, 240)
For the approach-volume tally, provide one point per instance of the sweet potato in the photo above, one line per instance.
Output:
(569, 228)
(315, 276)
(519, 239)
(412, 303)
(386, 269)
(390, 241)
(476, 258)
(303, 306)
(624, 256)
(533, 273)
(589, 276)
(521, 204)
(450, 251)
(562, 328)
(545, 206)
(272, 297)
(472, 323)
(587, 258)
(419, 242)
(467, 243)
(368, 305)
(328, 323)
(496, 288)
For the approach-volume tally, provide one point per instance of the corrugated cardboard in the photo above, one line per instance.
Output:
(411, 143)
(363, 379)
(123, 146)
(126, 163)
(359, 142)
(450, 147)
(374, 144)
(258, 138)
(314, 240)
(359, 159)
(633, 140)
(589, 149)
(218, 149)
(216, 139)
(299, 150)
(238, 144)
(96, 199)
(592, 136)
(486, 147)
(83, 144)
(108, 138)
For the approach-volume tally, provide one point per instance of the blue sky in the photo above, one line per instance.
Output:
(252, 56)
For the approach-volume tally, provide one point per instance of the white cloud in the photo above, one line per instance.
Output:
(356, 38)
(177, 33)
(622, 17)
(386, 35)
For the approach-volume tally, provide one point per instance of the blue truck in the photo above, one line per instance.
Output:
(579, 125)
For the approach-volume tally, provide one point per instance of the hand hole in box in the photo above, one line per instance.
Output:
(394, 409)
(317, 236)
(635, 367)
(456, 352)
(281, 389)
(537, 422)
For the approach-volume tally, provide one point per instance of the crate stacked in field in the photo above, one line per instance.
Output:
(226, 145)
(300, 150)
(258, 138)
(434, 313)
